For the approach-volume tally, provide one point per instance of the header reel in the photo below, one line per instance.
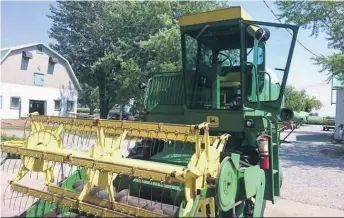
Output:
(108, 184)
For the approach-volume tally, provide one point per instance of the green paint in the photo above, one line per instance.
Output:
(197, 93)
(40, 208)
(227, 185)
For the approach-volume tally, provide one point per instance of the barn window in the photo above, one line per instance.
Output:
(38, 79)
(70, 106)
(15, 103)
(57, 105)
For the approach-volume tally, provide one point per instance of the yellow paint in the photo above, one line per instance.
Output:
(213, 121)
(104, 162)
(39, 139)
(214, 16)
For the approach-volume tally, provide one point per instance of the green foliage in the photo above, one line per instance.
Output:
(333, 63)
(5, 137)
(130, 72)
(104, 39)
(164, 51)
(86, 110)
(320, 16)
(89, 97)
(314, 122)
(312, 103)
(300, 101)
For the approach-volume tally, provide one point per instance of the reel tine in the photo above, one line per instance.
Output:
(171, 193)
(159, 146)
(15, 164)
(27, 199)
(82, 136)
(70, 171)
(20, 203)
(162, 194)
(182, 153)
(60, 172)
(9, 206)
(138, 199)
(112, 140)
(174, 146)
(68, 136)
(15, 200)
(3, 165)
(8, 166)
(78, 138)
(119, 183)
(33, 200)
(3, 197)
(89, 139)
(128, 194)
(151, 199)
(152, 146)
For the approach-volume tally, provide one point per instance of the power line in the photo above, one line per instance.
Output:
(288, 30)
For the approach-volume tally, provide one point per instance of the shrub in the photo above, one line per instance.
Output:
(86, 110)
(314, 122)
(5, 137)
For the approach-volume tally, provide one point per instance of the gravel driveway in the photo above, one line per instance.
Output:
(313, 170)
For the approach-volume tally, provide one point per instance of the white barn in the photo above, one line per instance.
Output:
(34, 77)
(339, 120)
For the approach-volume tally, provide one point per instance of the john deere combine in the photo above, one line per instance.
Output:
(209, 144)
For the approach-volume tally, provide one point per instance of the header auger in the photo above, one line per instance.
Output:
(227, 165)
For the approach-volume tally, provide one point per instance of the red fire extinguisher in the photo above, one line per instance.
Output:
(264, 152)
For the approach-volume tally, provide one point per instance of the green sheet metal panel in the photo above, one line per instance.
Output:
(165, 89)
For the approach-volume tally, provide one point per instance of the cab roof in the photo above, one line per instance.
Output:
(214, 16)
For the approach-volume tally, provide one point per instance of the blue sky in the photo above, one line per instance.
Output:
(26, 22)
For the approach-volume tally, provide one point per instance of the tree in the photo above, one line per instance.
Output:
(89, 97)
(300, 101)
(312, 103)
(320, 16)
(97, 37)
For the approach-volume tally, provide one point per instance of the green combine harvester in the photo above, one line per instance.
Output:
(208, 145)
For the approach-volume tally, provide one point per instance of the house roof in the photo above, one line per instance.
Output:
(6, 51)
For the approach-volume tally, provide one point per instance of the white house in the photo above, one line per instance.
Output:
(36, 78)
(339, 87)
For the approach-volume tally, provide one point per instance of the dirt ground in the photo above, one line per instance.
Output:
(14, 124)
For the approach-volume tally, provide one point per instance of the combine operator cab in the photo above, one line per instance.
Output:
(224, 61)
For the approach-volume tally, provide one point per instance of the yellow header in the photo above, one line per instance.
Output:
(213, 16)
